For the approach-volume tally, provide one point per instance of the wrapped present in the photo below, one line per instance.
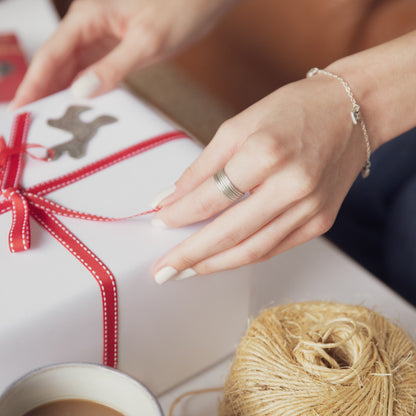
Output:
(75, 256)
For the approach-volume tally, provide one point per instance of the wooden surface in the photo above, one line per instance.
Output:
(263, 44)
(182, 99)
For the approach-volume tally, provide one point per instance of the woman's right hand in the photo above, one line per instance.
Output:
(100, 41)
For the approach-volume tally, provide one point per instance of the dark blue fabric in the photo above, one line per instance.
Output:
(377, 221)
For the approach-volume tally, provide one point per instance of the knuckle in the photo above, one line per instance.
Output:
(268, 149)
(204, 208)
(184, 261)
(189, 173)
(251, 255)
(153, 45)
(151, 39)
(109, 75)
(205, 267)
(266, 257)
(31, 85)
(226, 128)
(322, 223)
(306, 183)
(53, 57)
(182, 257)
(315, 203)
(45, 53)
(228, 240)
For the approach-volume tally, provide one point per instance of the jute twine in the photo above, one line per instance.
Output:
(321, 358)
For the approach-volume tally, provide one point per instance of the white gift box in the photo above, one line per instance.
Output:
(50, 306)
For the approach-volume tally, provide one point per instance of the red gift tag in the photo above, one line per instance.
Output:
(12, 66)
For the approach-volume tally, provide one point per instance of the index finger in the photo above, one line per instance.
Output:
(52, 67)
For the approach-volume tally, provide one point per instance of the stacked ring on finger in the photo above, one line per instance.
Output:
(225, 185)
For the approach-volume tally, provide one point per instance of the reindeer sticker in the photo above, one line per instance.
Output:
(82, 132)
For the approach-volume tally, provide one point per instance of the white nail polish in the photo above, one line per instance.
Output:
(162, 195)
(165, 274)
(156, 222)
(187, 273)
(84, 86)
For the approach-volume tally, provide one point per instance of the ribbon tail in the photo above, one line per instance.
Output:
(100, 272)
(19, 235)
(55, 209)
(14, 165)
(104, 163)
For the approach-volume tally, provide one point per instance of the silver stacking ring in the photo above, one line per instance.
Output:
(226, 186)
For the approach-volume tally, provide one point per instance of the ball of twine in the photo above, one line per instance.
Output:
(321, 358)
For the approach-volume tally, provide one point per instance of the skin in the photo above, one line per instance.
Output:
(295, 151)
(113, 38)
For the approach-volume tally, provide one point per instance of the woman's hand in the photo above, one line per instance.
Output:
(296, 152)
(101, 41)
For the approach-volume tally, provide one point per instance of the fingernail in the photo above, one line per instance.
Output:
(186, 274)
(84, 86)
(162, 195)
(156, 222)
(165, 274)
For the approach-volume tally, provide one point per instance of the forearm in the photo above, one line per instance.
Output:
(383, 80)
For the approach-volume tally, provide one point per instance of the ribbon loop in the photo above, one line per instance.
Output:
(6, 152)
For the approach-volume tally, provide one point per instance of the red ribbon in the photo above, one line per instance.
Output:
(26, 203)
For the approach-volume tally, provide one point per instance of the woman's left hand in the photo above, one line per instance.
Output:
(296, 152)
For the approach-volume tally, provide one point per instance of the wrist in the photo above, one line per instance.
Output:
(364, 90)
(355, 112)
(383, 82)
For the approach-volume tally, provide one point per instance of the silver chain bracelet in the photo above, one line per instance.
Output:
(355, 114)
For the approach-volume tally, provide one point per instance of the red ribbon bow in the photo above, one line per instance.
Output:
(26, 203)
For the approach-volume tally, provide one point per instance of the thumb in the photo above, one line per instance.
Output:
(134, 51)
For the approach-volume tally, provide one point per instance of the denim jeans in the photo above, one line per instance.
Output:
(376, 224)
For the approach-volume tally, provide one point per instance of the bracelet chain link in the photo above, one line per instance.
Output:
(355, 114)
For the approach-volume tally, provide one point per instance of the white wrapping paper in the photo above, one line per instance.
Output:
(50, 306)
